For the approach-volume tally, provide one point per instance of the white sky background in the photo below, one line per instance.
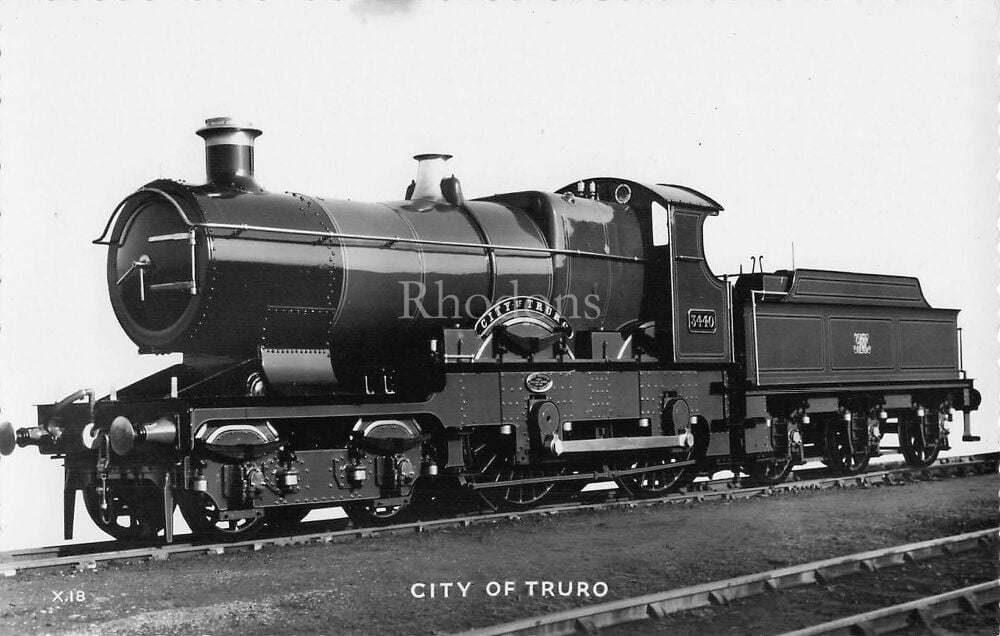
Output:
(865, 131)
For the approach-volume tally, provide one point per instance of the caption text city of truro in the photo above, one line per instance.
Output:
(544, 589)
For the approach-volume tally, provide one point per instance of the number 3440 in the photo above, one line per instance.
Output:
(701, 320)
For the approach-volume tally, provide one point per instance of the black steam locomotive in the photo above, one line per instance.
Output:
(517, 346)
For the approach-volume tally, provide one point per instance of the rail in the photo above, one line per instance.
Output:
(923, 611)
(591, 618)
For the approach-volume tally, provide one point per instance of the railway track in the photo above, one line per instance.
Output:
(88, 556)
(922, 611)
(592, 618)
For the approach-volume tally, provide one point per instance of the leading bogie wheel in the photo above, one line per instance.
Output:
(202, 516)
(126, 512)
(368, 514)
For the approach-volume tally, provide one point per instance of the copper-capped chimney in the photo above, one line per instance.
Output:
(229, 152)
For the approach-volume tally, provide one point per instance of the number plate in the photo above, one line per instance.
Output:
(701, 320)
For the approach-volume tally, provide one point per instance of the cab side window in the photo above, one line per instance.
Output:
(661, 225)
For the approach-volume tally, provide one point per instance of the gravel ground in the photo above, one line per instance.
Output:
(368, 586)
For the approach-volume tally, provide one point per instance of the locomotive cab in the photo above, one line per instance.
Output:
(678, 284)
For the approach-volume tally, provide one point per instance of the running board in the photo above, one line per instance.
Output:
(559, 447)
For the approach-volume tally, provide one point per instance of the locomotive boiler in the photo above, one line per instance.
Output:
(517, 346)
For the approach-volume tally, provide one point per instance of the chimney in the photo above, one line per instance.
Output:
(229, 152)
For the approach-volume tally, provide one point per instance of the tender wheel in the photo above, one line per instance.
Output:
(368, 514)
(133, 513)
(846, 447)
(770, 472)
(919, 446)
(775, 470)
(657, 482)
(285, 518)
(202, 515)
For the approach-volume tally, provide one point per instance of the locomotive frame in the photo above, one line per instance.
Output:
(322, 393)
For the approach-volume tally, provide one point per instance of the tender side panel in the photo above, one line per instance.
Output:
(803, 347)
(820, 343)
(937, 341)
(862, 344)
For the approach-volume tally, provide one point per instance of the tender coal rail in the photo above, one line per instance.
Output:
(592, 618)
(88, 556)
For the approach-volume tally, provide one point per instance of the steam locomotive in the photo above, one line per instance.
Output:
(517, 346)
